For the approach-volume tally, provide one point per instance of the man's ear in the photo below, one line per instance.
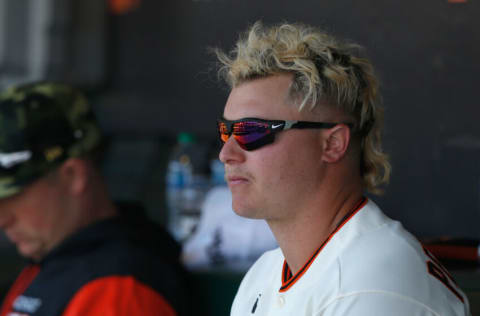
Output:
(336, 143)
(73, 175)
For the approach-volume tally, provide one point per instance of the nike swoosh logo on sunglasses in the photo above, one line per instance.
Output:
(276, 126)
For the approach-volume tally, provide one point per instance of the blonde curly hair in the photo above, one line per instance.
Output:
(325, 71)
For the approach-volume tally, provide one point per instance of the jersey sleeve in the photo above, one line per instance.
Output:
(377, 304)
(119, 296)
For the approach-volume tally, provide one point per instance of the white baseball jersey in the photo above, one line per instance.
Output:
(369, 266)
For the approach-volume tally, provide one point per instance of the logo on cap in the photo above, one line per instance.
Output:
(8, 160)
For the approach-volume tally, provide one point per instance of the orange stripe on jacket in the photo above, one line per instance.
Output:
(119, 296)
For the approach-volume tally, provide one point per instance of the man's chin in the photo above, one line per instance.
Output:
(246, 212)
(29, 251)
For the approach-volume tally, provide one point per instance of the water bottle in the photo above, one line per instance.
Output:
(186, 187)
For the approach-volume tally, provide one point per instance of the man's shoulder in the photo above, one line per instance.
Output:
(382, 258)
(386, 258)
(380, 253)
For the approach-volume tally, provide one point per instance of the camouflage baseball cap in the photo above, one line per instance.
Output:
(41, 125)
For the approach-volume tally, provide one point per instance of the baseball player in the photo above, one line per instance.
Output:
(302, 143)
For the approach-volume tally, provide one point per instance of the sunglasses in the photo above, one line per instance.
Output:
(253, 133)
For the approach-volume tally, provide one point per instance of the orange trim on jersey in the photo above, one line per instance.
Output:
(120, 296)
(288, 279)
(437, 262)
(22, 282)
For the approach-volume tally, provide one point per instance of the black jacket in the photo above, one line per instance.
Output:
(126, 265)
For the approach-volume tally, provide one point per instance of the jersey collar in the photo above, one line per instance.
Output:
(288, 279)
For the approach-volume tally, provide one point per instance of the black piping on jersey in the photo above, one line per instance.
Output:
(287, 273)
(254, 308)
(437, 270)
(287, 279)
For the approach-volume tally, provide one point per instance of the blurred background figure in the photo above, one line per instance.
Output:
(222, 238)
(87, 256)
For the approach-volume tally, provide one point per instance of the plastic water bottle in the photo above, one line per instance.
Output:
(186, 187)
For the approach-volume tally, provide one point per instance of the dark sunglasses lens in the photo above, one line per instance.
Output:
(249, 132)
(252, 135)
(249, 135)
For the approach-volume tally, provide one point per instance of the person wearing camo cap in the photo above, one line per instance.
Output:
(87, 255)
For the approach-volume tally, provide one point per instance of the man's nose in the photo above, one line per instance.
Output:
(231, 152)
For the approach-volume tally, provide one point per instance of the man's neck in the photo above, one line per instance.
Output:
(301, 237)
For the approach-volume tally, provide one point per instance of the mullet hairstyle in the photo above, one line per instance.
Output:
(324, 70)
